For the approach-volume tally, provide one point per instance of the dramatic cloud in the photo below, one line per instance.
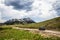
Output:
(57, 7)
(20, 4)
(38, 10)
(43, 9)
(9, 13)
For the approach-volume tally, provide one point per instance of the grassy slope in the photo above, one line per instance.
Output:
(49, 24)
(12, 34)
(6, 33)
(53, 24)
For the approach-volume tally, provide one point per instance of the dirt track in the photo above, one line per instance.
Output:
(42, 32)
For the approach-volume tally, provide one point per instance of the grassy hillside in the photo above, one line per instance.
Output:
(13, 34)
(49, 24)
(7, 33)
(52, 24)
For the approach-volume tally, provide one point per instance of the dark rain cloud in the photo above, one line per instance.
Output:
(20, 4)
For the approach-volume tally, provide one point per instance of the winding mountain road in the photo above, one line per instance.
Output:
(42, 32)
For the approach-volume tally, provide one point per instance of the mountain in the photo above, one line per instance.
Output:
(52, 24)
(20, 21)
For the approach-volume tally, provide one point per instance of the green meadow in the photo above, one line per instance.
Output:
(7, 33)
(52, 24)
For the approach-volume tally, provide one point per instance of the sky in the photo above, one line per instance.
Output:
(37, 10)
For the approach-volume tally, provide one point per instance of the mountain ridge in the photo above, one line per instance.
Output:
(19, 21)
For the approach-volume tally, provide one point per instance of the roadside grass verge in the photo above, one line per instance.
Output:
(13, 34)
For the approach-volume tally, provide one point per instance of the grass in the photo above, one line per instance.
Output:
(53, 24)
(7, 33)
(13, 34)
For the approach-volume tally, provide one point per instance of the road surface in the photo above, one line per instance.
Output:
(42, 32)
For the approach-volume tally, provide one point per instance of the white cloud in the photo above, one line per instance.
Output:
(9, 12)
(40, 9)
(43, 9)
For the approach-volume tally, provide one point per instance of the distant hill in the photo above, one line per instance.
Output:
(19, 21)
(53, 24)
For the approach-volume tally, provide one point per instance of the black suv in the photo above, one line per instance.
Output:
(42, 28)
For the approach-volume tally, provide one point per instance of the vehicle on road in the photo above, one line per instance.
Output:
(42, 28)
